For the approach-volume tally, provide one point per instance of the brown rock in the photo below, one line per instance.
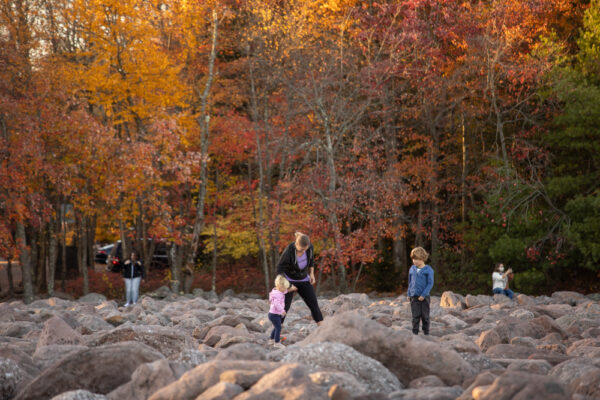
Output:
(145, 380)
(241, 377)
(216, 333)
(336, 392)
(515, 385)
(99, 370)
(290, 382)
(221, 391)
(425, 381)
(509, 351)
(488, 339)
(452, 300)
(540, 367)
(199, 379)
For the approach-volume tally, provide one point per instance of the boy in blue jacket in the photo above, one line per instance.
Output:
(420, 282)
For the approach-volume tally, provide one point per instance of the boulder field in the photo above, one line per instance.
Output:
(208, 347)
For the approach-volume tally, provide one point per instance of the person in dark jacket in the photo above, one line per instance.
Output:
(297, 265)
(133, 273)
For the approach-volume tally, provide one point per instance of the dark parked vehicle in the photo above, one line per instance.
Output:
(103, 253)
(160, 258)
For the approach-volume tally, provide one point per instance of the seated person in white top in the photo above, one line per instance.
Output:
(500, 280)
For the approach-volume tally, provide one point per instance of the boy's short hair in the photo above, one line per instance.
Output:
(419, 253)
(281, 281)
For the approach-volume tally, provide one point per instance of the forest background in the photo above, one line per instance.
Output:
(471, 128)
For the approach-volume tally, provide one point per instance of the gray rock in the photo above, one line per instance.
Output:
(169, 341)
(79, 395)
(45, 356)
(57, 331)
(17, 329)
(11, 378)
(343, 358)
(343, 380)
(478, 300)
(92, 298)
(425, 381)
(242, 351)
(404, 354)
(428, 393)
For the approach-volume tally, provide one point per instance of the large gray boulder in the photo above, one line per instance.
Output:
(169, 341)
(404, 354)
(12, 378)
(99, 370)
(343, 358)
(79, 395)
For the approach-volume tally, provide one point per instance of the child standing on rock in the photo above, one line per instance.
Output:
(420, 282)
(277, 309)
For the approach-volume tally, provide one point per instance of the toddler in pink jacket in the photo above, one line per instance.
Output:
(277, 309)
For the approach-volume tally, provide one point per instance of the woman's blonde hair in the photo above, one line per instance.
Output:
(302, 239)
(419, 253)
(281, 282)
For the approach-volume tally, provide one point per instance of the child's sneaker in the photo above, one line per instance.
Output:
(271, 342)
(279, 345)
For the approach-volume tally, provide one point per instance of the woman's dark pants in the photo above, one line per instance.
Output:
(307, 292)
(420, 312)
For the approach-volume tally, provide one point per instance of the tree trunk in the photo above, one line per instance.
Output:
(125, 250)
(11, 283)
(176, 256)
(82, 254)
(91, 240)
(24, 258)
(63, 230)
(399, 256)
(52, 255)
(420, 238)
(204, 121)
(214, 260)
(42, 258)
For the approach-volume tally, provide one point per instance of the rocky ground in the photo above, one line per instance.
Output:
(209, 347)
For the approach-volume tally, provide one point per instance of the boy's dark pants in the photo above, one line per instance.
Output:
(307, 292)
(420, 312)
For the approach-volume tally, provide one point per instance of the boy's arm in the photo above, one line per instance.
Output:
(429, 284)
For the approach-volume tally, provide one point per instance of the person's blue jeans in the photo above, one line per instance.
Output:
(132, 290)
(276, 321)
(506, 292)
